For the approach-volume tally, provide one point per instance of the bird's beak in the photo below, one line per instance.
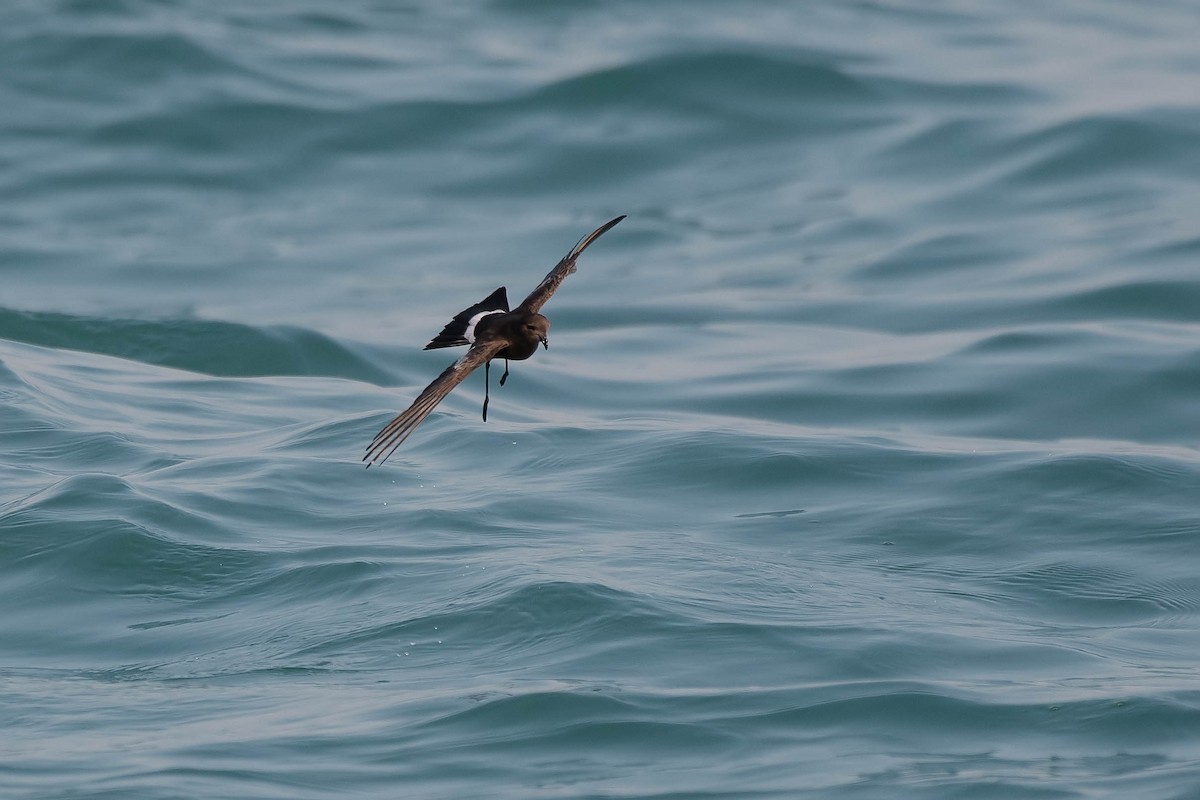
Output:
(545, 343)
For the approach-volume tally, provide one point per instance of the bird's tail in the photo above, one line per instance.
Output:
(458, 330)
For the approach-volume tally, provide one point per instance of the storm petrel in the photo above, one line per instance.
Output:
(492, 331)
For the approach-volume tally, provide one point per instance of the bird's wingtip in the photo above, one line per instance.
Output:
(593, 236)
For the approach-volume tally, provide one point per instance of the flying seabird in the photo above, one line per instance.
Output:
(492, 331)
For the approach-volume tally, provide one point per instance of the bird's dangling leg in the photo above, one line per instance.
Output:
(504, 377)
(487, 379)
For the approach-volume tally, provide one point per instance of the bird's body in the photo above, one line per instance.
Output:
(524, 333)
(492, 331)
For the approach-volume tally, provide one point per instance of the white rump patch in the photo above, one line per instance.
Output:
(469, 333)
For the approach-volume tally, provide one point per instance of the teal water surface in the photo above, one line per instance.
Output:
(864, 462)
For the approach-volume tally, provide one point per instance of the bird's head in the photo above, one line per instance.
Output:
(536, 328)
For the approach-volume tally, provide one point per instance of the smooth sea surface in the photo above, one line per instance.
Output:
(864, 462)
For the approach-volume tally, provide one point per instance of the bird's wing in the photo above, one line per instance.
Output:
(538, 297)
(404, 423)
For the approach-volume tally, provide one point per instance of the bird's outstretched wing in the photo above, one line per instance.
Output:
(538, 297)
(404, 423)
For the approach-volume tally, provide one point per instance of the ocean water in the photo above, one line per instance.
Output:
(864, 463)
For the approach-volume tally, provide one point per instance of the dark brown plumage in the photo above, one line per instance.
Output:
(492, 331)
